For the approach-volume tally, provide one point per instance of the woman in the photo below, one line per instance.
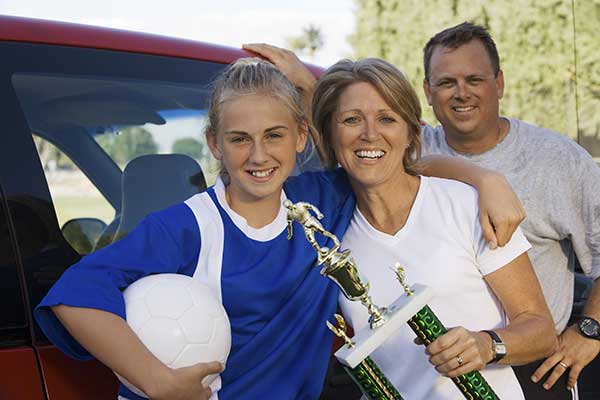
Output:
(368, 117)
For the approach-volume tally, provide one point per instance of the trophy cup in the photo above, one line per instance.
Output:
(383, 321)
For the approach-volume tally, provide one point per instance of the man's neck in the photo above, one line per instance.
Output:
(479, 142)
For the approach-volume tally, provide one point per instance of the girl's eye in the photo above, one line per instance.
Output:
(239, 139)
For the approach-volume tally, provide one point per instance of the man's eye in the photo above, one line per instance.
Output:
(445, 84)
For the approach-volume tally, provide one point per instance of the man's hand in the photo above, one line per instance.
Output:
(288, 63)
(500, 210)
(573, 354)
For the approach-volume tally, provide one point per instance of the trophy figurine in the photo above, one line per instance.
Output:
(340, 267)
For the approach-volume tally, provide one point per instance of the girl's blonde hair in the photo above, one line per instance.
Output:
(393, 87)
(249, 76)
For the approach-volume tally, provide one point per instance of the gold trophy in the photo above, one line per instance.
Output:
(340, 267)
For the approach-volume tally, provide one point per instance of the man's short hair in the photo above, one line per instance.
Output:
(457, 36)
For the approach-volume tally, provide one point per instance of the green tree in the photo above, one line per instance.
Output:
(535, 40)
(308, 42)
(130, 143)
(190, 147)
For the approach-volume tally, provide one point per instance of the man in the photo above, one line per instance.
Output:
(557, 181)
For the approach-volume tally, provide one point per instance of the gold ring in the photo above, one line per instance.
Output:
(460, 360)
(565, 366)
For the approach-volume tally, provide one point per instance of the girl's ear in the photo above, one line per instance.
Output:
(302, 136)
(211, 140)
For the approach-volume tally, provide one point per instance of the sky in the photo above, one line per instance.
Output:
(227, 22)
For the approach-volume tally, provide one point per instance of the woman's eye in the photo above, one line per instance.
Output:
(387, 120)
(351, 120)
(274, 135)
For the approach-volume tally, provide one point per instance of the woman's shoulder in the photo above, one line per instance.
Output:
(451, 190)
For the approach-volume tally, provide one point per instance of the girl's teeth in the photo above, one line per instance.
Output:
(262, 174)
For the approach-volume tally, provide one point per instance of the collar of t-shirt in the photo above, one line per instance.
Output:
(263, 234)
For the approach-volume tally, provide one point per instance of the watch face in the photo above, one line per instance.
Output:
(589, 328)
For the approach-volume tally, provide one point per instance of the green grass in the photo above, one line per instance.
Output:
(70, 207)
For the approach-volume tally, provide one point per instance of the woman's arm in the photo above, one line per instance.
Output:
(529, 336)
(109, 338)
(500, 210)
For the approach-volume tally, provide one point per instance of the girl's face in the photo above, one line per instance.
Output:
(369, 139)
(257, 141)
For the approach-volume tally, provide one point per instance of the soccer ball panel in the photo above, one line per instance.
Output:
(164, 338)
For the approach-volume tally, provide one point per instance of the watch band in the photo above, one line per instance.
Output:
(498, 346)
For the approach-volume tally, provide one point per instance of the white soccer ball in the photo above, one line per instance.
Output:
(179, 320)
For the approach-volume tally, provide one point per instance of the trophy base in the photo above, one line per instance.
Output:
(398, 313)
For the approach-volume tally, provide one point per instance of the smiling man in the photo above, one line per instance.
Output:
(557, 181)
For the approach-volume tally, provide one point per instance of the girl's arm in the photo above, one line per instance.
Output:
(108, 337)
(529, 336)
(500, 210)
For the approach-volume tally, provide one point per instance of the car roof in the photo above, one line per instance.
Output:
(32, 30)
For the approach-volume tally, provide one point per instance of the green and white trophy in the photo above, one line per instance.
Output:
(384, 322)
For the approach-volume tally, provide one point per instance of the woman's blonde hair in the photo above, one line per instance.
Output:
(389, 82)
(249, 76)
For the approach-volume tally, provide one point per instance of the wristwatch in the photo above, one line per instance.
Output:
(498, 347)
(589, 327)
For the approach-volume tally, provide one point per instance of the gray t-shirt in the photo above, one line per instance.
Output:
(559, 185)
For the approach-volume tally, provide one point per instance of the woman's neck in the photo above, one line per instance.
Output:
(387, 207)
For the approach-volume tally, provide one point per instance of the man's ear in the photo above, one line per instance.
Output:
(427, 90)
(211, 140)
(500, 84)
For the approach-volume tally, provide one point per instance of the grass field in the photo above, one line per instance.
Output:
(69, 207)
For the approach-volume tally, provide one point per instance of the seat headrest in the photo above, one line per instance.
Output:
(153, 182)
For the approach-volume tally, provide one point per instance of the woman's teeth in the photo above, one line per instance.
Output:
(371, 154)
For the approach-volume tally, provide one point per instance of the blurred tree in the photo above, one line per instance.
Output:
(130, 143)
(308, 42)
(535, 40)
(190, 147)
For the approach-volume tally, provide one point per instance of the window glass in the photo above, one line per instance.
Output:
(115, 149)
(13, 326)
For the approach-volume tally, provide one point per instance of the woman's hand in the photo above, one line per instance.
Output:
(460, 351)
(500, 210)
(187, 383)
(288, 63)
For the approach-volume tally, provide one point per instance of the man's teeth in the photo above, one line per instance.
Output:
(372, 154)
(464, 109)
(262, 174)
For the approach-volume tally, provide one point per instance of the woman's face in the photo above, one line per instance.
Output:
(257, 141)
(368, 138)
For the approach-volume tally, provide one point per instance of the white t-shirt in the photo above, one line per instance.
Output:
(441, 245)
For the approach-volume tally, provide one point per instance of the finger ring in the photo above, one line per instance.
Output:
(565, 366)
(460, 360)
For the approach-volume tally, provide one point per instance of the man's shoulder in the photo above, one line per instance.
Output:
(547, 143)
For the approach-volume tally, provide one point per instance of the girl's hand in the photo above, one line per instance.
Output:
(460, 351)
(188, 383)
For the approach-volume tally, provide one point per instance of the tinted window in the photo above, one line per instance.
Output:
(105, 112)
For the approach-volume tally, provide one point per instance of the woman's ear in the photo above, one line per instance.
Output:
(211, 140)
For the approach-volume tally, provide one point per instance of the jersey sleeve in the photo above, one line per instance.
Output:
(159, 244)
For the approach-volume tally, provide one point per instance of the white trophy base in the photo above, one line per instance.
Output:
(398, 313)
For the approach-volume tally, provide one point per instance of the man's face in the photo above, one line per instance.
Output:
(465, 93)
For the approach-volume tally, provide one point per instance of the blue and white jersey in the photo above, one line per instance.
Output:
(276, 300)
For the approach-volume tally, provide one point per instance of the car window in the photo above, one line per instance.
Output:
(115, 149)
(13, 323)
